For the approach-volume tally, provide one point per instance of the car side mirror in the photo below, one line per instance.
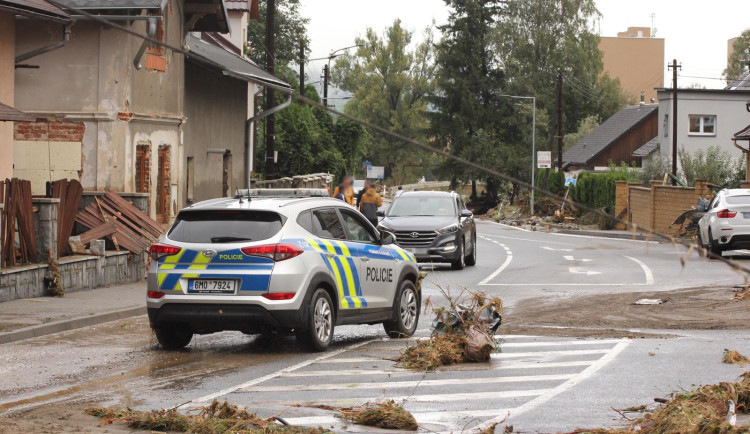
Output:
(380, 213)
(466, 213)
(387, 238)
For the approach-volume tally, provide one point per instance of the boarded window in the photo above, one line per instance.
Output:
(190, 179)
(163, 186)
(143, 167)
(226, 186)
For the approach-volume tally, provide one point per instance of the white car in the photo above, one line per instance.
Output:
(256, 264)
(726, 224)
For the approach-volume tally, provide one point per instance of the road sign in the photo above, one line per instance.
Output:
(366, 164)
(375, 172)
(544, 159)
(570, 181)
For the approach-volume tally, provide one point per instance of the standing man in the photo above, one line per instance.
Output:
(344, 191)
(369, 203)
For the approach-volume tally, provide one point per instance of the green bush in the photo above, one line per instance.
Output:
(597, 190)
(550, 181)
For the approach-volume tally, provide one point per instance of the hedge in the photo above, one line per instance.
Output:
(551, 181)
(597, 190)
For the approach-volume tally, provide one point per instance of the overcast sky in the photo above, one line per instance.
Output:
(695, 32)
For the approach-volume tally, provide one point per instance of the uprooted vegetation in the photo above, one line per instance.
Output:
(462, 332)
(216, 418)
(387, 415)
(708, 409)
(731, 356)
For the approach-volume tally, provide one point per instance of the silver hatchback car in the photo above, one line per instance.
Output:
(287, 264)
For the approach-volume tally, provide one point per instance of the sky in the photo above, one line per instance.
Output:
(695, 32)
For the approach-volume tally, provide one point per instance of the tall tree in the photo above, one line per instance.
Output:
(291, 27)
(739, 61)
(389, 82)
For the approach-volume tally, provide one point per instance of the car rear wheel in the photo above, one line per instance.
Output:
(714, 246)
(172, 339)
(460, 261)
(471, 260)
(407, 307)
(318, 333)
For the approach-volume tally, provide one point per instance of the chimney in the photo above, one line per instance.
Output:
(643, 98)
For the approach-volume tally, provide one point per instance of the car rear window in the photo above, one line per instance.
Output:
(225, 226)
(738, 200)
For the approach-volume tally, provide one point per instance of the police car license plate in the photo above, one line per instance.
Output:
(212, 286)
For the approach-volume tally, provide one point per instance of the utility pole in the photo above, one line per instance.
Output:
(302, 67)
(270, 66)
(674, 66)
(560, 119)
(326, 78)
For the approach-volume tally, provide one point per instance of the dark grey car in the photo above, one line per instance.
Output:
(433, 225)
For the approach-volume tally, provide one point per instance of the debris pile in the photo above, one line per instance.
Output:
(70, 194)
(387, 415)
(462, 332)
(215, 418)
(17, 219)
(119, 221)
(733, 357)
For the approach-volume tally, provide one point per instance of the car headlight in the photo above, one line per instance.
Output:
(448, 229)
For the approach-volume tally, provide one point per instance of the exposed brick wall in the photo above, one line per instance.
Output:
(53, 131)
(143, 167)
(164, 184)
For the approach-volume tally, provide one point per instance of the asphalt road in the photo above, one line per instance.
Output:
(537, 383)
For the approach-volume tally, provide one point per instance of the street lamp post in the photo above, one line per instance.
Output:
(533, 143)
(327, 69)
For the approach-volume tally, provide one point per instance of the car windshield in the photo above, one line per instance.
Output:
(738, 200)
(225, 226)
(422, 206)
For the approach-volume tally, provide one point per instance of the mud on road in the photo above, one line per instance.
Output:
(616, 315)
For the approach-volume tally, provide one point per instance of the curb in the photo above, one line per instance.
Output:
(604, 234)
(69, 324)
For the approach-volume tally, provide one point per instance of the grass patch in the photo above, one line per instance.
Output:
(731, 356)
(216, 418)
(387, 414)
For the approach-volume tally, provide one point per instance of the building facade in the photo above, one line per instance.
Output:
(636, 57)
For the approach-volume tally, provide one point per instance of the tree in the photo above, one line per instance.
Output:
(291, 28)
(739, 61)
(389, 82)
(713, 165)
(585, 127)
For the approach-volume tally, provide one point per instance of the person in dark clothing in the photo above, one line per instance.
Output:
(370, 203)
(361, 192)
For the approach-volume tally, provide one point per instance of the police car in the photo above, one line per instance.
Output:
(256, 264)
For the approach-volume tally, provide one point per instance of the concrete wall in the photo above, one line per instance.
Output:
(112, 105)
(637, 62)
(77, 273)
(7, 62)
(214, 126)
(238, 21)
(728, 106)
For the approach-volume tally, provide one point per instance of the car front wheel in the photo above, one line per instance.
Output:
(407, 309)
(460, 261)
(471, 260)
(172, 339)
(318, 332)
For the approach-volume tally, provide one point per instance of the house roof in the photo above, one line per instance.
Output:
(744, 134)
(741, 83)
(8, 113)
(611, 130)
(648, 148)
(34, 9)
(207, 54)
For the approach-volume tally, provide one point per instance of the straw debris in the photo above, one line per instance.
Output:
(462, 332)
(216, 418)
(731, 356)
(387, 414)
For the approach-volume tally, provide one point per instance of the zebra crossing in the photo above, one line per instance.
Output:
(528, 371)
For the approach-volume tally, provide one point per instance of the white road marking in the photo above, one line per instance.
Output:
(442, 397)
(572, 258)
(531, 241)
(278, 373)
(547, 354)
(565, 284)
(508, 258)
(504, 225)
(407, 384)
(646, 270)
(422, 418)
(556, 250)
(603, 238)
(558, 343)
(576, 270)
(585, 374)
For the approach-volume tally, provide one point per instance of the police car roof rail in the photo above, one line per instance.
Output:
(280, 193)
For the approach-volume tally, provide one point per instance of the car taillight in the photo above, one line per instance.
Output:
(155, 294)
(162, 250)
(279, 295)
(275, 252)
(725, 214)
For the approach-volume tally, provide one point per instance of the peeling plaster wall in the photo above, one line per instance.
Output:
(7, 62)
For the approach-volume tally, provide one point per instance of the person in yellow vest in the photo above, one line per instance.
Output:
(344, 191)
(370, 203)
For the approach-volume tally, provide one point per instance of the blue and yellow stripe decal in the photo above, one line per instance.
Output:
(194, 263)
(338, 257)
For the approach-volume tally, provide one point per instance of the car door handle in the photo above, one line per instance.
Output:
(364, 259)
(330, 255)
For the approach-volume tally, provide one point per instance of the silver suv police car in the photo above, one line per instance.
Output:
(288, 264)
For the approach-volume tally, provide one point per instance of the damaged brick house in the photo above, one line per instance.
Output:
(123, 115)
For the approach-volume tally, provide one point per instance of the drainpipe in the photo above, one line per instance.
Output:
(150, 33)
(249, 130)
(46, 48)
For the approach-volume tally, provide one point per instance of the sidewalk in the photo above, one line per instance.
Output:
(31, 317)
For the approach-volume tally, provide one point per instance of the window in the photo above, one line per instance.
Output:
(703, 125)
(665, 127)
(403, 206)
(190, 179)
(358, 230)
(163, 185)
(326, 224)
(225, 226)
(304, 219)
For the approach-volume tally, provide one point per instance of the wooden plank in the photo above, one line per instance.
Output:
(118, 215)
(106, 219)
(98, 232)
(129, 209)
